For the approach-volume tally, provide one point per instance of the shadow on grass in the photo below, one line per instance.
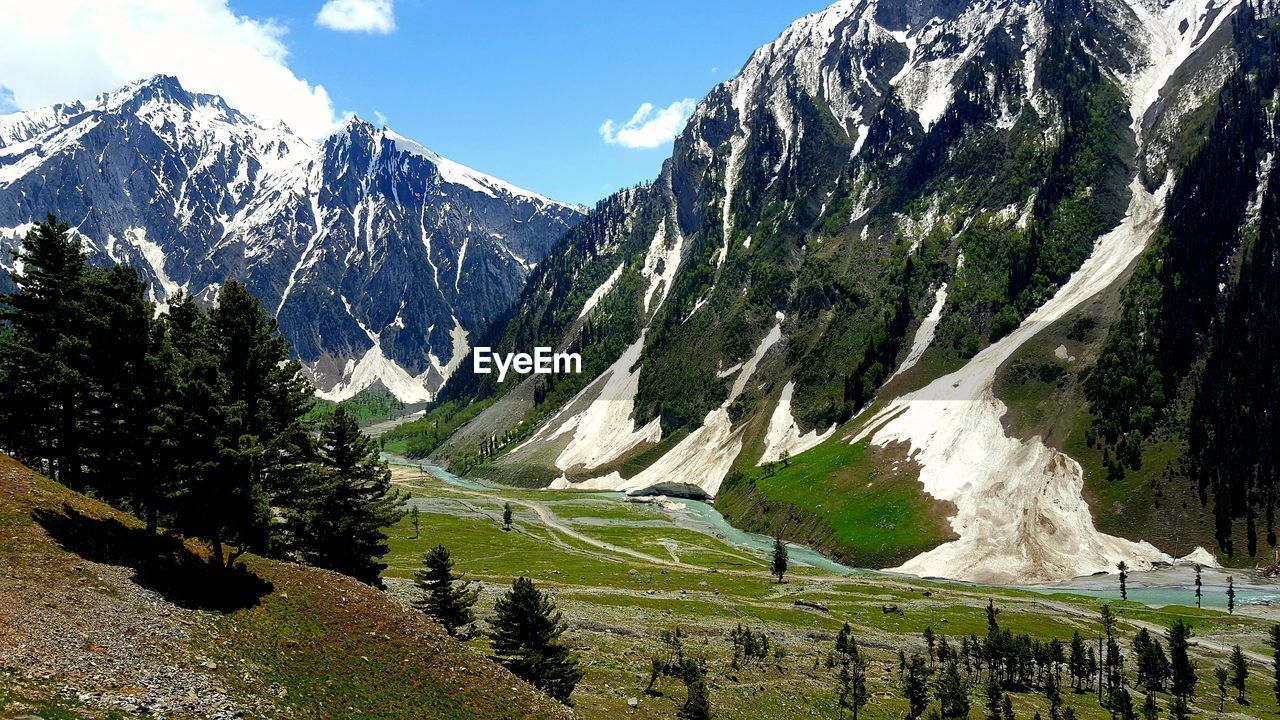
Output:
(160, 563)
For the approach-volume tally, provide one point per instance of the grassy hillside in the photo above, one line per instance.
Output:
(96, 621)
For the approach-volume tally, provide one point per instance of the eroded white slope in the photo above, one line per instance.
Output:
(924, 333)
(784, 435)
(606, 430)
(1020, 514)
(703, 458)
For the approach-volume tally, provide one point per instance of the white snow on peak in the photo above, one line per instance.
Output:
(456, 173)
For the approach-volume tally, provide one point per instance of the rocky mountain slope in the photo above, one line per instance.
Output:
(851, 238)
(379, 257)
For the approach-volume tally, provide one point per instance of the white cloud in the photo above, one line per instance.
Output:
(649, 127)
(75, 49)
(371, 16)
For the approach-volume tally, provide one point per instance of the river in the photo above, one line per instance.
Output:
(1171, 585)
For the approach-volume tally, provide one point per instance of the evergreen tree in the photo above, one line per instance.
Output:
(338, 520)
(506, 516)
(1231, 595)
(915, 687)
(1197, 584)
(415, 515)
(779, 563)
(1222, 676)
(444, 595)
(43, 356)
(1182, 670)
(1275, 660)
(1239, 673)
(1124, 576)
(1006, 709)
(994, 699)
(697, 703)
(265, 447)
(526, 639)
(953, 694)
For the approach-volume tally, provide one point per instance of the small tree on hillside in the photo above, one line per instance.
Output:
(1124, 576)
(1275, 660)
(414, 513)
(446, 597)
(1221, 674)
(779, 564)
(915, 687)
(1231, 595)
(1182, 670)
(1239, 673)
(1198, 584)
(526, 640)
(506, 516)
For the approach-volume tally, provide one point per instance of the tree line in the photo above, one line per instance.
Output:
(190, 418)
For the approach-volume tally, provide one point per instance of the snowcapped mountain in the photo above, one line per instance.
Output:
(379, 257)
(885, 182)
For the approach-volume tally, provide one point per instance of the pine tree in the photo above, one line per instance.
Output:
(1182, 670)
(697, 703)
(415, 514)
(444, 595)
(1239, 673)
(525, 638)
(1275, 660)
(1231, 595)
(779, 563)
(338, 520)
(995, 697)
(1221, 674)
(953, 694)
(1197, 584)
(915, 687)
(506, 516)
(1124, 575)
(852, 679)
(43, 356)
(265, 447)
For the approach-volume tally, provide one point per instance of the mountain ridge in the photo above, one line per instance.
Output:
(192, 192)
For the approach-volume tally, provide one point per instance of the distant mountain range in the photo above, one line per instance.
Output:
(379, 257)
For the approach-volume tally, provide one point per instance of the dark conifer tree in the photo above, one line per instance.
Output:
(778, 565)
(446, 597)
(339, 519)
(43, 356)
(915, 687)
(526, 640)
(1239, 673)
(1182, 670)
(264, 449)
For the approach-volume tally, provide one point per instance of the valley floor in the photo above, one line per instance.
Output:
(623, 573)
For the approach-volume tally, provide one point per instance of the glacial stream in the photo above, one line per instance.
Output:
(1167, 585)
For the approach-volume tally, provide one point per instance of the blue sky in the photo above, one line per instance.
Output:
(519, 89)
